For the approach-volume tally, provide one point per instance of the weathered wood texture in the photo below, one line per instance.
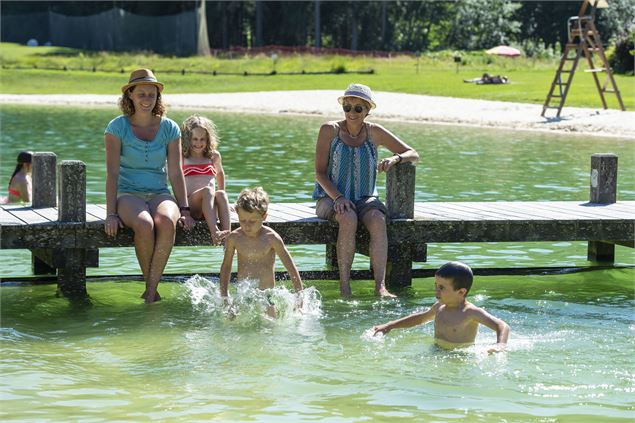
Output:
(44, 186)
(603, 190)
(435, 222)
(44, 195)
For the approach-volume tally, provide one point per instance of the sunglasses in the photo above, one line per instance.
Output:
(358, 108)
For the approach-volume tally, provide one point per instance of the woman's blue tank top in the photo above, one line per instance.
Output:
(353, 170)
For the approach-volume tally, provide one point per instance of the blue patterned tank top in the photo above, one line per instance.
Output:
(353, 170)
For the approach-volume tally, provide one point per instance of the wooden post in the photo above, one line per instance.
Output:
(71, 278)
(44, 195)
(603, 190)
(400, 201)
(331, 256)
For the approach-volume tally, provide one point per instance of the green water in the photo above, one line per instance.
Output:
(570, 355)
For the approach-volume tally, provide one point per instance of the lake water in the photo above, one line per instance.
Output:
(570, 355)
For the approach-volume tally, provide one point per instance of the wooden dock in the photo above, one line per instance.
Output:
(68, 236)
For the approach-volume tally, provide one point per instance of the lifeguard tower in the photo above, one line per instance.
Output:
(583, 39)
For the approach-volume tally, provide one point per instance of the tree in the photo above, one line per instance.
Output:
(479, 24)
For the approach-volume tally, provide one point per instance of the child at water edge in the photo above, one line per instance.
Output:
(456, 320)
(257, 246)
(20, 182)
(202, 168)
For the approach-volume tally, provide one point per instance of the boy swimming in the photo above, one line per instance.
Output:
(257, 246)
(456, 320)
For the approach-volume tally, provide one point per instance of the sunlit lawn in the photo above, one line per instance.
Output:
(436, 74)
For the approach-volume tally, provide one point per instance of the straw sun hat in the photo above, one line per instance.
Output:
(142, 76)
(359, 91)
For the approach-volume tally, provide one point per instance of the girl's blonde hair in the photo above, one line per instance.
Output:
(196, 121)
(127, 106)
(253, 200)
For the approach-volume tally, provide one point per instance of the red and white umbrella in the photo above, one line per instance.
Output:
(504, 51)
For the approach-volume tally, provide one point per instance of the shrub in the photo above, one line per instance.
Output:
(620, 56)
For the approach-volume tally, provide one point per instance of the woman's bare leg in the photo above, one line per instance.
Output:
(375, 222)
(165, 214)
(346, 248)
(135, 214)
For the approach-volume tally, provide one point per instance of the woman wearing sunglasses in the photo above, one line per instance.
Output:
(346, 166)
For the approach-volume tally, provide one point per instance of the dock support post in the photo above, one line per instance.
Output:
(603, 187)
(71, 279)
(44, 195)
(331, 256)
(400, 201)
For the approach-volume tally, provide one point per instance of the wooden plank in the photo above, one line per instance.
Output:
(519, 209)
(8, 218)
(609, 211)
(575, 211)
(95, 212)
(29, 216)
(302, 211)
(628, 206)
(49, 213)
(290, 212)
(533, 213)
(436, 211)
(485, 211)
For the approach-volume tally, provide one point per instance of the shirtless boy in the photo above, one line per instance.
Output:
(456, 320)
(257, 246)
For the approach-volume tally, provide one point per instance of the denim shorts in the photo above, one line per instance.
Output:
(324, 207)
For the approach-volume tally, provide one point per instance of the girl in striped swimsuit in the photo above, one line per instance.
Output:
(202, 168)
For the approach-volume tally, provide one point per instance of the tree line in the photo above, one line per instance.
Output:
(398, 26)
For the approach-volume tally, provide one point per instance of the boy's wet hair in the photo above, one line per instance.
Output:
(253, 200)
(196, 121)
(459, 273)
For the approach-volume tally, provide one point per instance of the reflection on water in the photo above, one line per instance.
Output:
(570, 354)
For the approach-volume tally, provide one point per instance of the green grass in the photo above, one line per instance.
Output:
(530, 79)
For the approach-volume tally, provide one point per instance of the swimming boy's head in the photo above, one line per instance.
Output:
(458, 273)
(251, 207)
(196, 130)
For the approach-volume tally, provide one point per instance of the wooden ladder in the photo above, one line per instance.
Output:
(584, 39)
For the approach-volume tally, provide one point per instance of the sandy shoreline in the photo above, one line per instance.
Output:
(391, 106)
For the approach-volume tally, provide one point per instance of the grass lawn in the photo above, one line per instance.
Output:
(437, 74)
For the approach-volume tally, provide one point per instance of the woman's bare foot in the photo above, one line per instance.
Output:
(383, 292)
(157, 297)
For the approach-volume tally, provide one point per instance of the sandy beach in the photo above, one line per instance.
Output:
(390, 106)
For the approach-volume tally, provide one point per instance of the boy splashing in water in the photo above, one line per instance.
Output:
(456, 320)
(257, 246)
(202, 167)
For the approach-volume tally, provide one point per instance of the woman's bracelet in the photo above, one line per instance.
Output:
(337, 198)
(399, 157)
(112, 215)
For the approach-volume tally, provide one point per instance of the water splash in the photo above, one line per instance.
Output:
(248, 304)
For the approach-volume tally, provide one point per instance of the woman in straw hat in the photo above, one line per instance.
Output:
(139, 145)
(346, 166)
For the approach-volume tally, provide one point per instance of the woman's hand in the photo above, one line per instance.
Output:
(342, 205)
(112, 224)
(186, 221)
(385, 164)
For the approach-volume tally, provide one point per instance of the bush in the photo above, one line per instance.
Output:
(620, 56)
